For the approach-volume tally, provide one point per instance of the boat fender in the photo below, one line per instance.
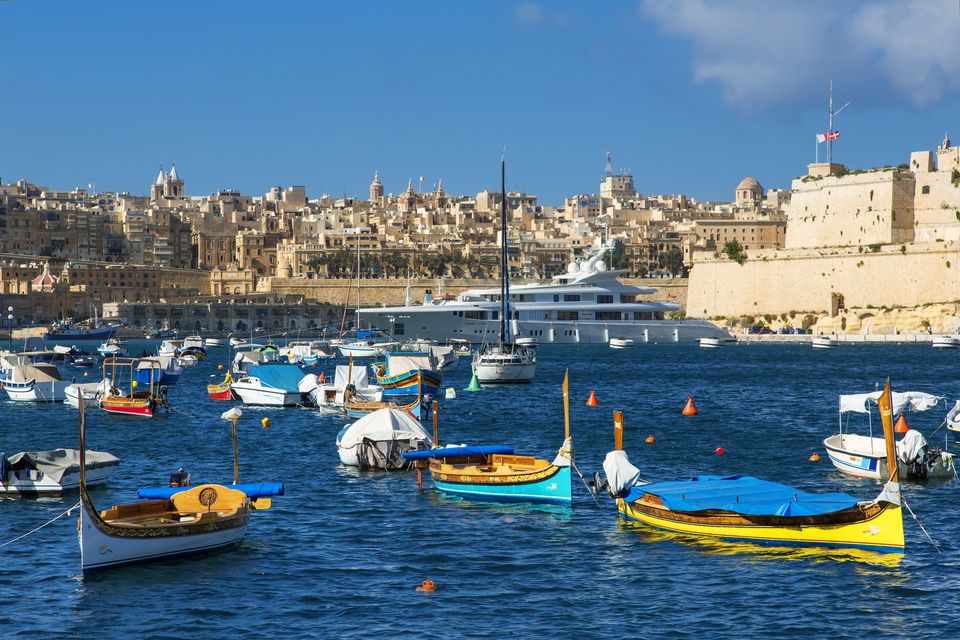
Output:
(265, 422)
(427, 586)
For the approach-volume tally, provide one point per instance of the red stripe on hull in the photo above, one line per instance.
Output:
(140, 412)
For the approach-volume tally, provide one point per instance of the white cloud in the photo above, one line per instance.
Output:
(771, 54)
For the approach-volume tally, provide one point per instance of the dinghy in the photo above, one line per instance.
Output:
(50, 473)
(748, 509)
(864, 456)
(87, 392)
(272, 385)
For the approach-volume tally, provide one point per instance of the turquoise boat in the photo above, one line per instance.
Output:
(496, 473)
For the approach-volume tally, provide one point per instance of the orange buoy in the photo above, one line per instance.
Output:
(720, 451)
(690, 409)
(220, 367)
(592, 400)
(427, 585)
(650, 439)
(320, 378)
(815, 457)
(901, 426)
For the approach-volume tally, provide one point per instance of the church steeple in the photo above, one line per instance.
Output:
(376, 188)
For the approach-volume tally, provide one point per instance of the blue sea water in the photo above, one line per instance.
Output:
(340, 554)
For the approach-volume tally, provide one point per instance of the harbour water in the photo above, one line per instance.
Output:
(340, 554)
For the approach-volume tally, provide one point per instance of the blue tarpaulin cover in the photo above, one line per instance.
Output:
(458, 452)
(253, 490)
(742, 494)
(279, 376)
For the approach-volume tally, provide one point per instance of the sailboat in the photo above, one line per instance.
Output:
(191, 520)
(504, 361)
(497, 473)
(744, 508)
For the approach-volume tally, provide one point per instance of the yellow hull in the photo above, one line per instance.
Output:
(881, 532)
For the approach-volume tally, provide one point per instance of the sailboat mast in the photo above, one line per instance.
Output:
(358, 279)
(504, 275)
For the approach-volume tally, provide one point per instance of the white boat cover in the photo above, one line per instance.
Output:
(952, 418)
(565, 455)
(914, 400)
(911, 446)
(400, 363)
(308, 383)
(358, 377)
(57, 462)
(38, 372)
(384, 425)
(621, 474)
(62, 348)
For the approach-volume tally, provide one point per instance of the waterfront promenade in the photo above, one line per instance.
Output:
(871, 338)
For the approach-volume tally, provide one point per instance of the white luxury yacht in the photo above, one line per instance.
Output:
(588, 304)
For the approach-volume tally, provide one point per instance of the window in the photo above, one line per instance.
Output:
(642, 315)
(556, 298)
(604, 299)
(607, 315)
(924, 189)
(568, 315)
(398, 329)
(628, 299)
(474, 315)
(571, 297)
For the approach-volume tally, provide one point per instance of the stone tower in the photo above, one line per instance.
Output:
(376, 188)
(173, 187)
(749, 194)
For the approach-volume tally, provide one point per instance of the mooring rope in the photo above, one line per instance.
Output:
(917, 520)
(32, 531)
(584, 481)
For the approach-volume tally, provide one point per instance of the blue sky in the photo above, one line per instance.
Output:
(690, 96)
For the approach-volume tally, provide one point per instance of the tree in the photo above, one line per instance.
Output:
(618, 257)
(672, 261)
(735, 252)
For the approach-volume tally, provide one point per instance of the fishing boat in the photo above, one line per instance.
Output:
(504, 361)
(348, 382)
(408, 373)
(461, 347)
(273, 385)
(824, 342)
(864, 456)
(621, 343)
(192, 520)
(69, 331)
(112, 347)
(223, 390)
(945, 342)
(744, 508)
(379, 440)
(419, 407)
(712, 343)
(124, 396)
(497, 473)
(35, 383)
(50, 473)
(86, 392)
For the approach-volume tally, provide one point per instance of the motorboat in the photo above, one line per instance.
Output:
(945, 342)
(824, 342)
(379, 440)
(741, 508)
(349, 382)
(43, 473)
(193, 342)
(621, 343)
(272, 385)
(249, 355)
(124, 396)
(496, 473)
(84, 361)
(369, 344)
(35, 383)
(86, 392)
(169, 370)
(212, 343)
(187, 360)
(236, 342)
(112, 347)
(712, 343)
(528, 342)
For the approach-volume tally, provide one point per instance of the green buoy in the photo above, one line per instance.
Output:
(474, 384)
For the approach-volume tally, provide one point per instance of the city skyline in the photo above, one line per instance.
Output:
(323, 97)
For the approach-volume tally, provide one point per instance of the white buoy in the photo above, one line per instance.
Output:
(451, 394)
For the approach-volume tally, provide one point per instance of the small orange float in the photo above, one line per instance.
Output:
(427, 585)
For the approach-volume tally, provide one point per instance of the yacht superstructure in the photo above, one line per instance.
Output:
(588, 304)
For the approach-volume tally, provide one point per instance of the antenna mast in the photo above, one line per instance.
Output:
(608, 171)
(831, 113)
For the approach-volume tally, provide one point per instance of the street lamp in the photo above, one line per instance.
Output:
(10, 324)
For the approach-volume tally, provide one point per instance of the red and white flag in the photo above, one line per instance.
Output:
(829, 135)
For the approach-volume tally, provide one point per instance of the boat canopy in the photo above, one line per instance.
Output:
(914, 400)
(383, 425)
(357, 377)
(744, 495)
(57, 462)
(403, 362)
(459, 452)
(253, 490)
(280, 376)
(37, 372)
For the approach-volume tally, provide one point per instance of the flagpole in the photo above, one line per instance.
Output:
(816, 150)
(830, 126)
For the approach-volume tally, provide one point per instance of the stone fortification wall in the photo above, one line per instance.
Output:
(778, 282)
(937, 206)
(393, 292)
(873, 207)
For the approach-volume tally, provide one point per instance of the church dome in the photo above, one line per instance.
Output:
(748, 183)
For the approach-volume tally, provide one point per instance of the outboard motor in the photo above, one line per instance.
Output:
(180, 478)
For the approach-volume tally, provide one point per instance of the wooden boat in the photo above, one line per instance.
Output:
(357, 408)
(461, 347)
(744, 508)
(496, 473)
(378, 440)
(408, 374)
(864, 456)
(222, 391)
(124, 395)
(192, 520)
